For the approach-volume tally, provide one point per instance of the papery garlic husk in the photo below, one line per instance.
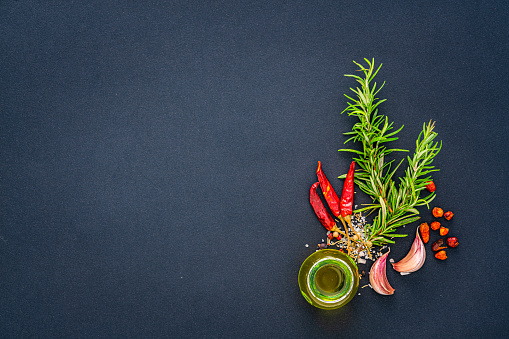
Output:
(414, 259)
(378, 276)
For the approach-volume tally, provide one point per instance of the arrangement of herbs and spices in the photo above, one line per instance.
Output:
(393, 205)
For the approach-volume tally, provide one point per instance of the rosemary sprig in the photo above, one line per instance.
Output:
(393, 206)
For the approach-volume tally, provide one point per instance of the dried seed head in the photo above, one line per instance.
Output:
(452, 242)
(435, 225)
(438, 245)
(430, 186)
(438, 212)
(448, 215)
(441, 255)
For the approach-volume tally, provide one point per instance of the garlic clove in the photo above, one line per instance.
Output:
(378, 276)
(414, 259)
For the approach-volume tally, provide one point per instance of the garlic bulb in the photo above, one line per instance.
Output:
(414, 259)
(378, 276)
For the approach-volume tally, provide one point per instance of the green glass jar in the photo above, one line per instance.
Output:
(328, 279)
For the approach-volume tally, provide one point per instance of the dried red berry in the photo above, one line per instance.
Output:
(444, 231)
(438, 245)
(430, 186)
(435, 225)
(448, 215)
(441, 255)
(452, 242)
(437, 212)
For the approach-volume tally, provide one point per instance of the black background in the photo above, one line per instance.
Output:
(156, 159)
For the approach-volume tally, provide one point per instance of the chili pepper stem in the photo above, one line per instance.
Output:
(348, 219)
(336, 229)
(346, 232)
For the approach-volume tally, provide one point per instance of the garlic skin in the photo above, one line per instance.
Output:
(378, 276)
(414, 259)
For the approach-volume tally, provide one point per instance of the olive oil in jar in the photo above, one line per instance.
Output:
(329, 279)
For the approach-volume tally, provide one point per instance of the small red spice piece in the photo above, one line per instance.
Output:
(430, 186)
(438, 245)
(444, 231)
(437, 212)
(435, 225)
(441, 255)
(452, 242)
(448, 215)
(424, 228)
(330, 236)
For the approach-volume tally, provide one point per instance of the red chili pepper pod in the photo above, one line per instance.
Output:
(347, 196)
(328, 191)
(320, 211)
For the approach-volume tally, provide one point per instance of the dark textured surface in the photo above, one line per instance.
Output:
(156, 158)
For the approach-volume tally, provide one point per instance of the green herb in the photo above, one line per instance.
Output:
(393, 206)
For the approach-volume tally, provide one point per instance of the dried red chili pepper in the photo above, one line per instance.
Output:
(346, 205)
(437, 212)
(328, 191)
(435, 225)
(430, 186)
(424, 228)
(320, 210)
(448, 215)
(443, 231)
(441, 255)
(452, 242)
(438, 245)
(347, 195)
